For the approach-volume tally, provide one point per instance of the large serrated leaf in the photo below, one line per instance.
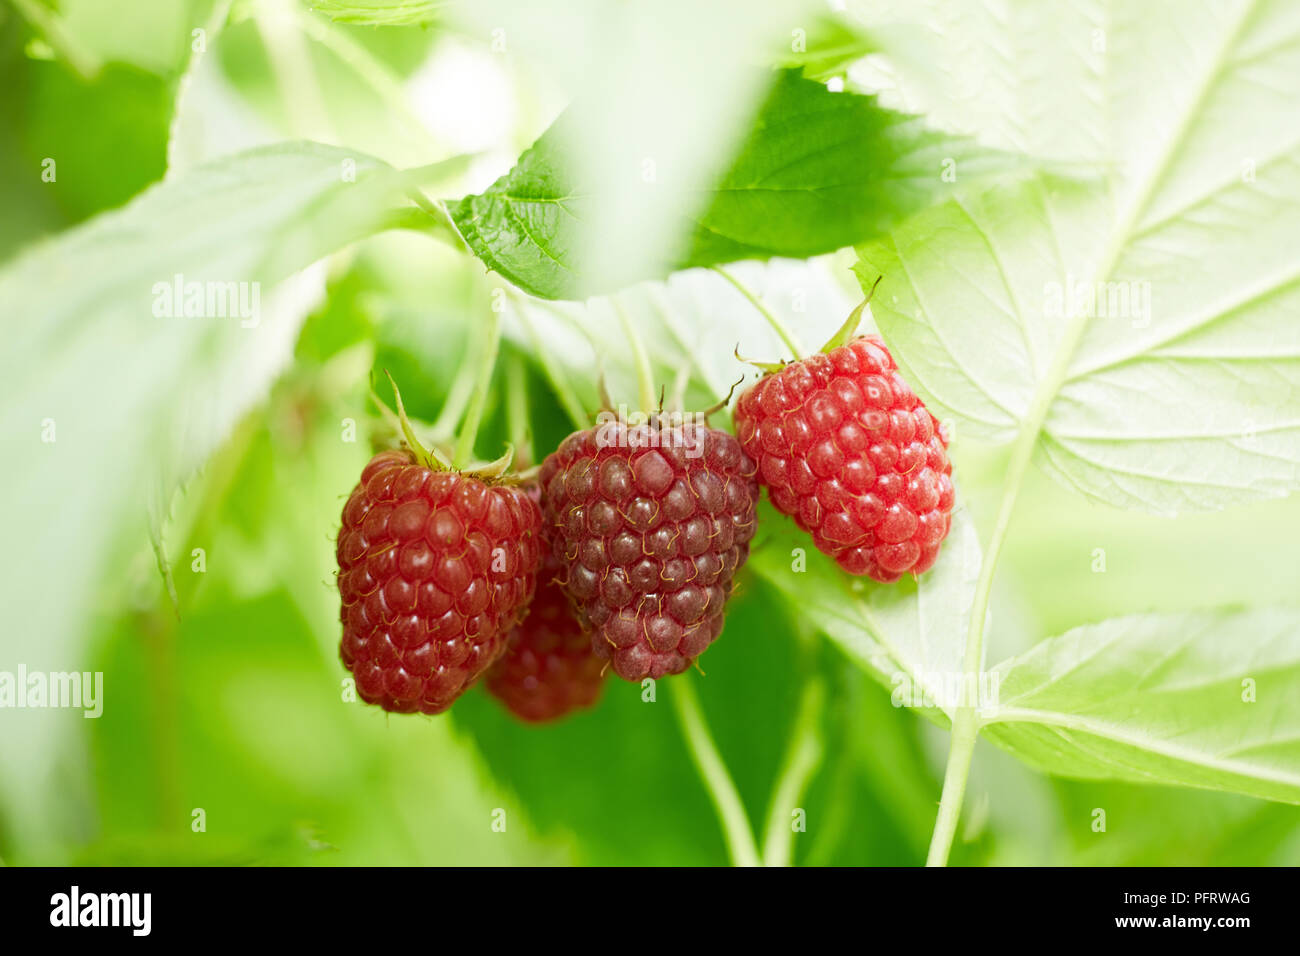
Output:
(1203, 699)
(108, 404)
(1140, 327)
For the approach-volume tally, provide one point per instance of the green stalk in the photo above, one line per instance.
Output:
(802, 758)
(965, 727)
(722, 791)
(517, 426)
(777, 325)
(644, 374)
(961, 749)
(966, 724)
(555, 374)
(469, 430)
(453, 409)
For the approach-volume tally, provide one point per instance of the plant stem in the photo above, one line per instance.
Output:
(961, 748)
(517, 426)
(801, 760)
(965, 724)
(469, 430)
(777, 325)
(731, 812)
(644, 374)
(555, 375)
(453, 409)
(443, 226)
(160, 640)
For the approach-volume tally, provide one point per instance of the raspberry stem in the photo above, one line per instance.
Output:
(736, 829)
(487, 361)
(777, 325)
(555, 374)
(644, 374)
(517, 425)
(453, 409)
(802, 757)
(965, 722)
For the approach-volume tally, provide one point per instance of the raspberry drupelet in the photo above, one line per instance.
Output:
(650, 524)
(847, 449)
(435, 568)
(549, 669)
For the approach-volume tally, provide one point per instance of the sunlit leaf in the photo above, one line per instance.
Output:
(818, 171)
(1201, 699)
(1139, 326)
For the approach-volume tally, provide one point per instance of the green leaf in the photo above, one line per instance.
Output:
(1200, 699)
(1150, 563)
(1026, 78)
(1138, 329)
(693, 323)
(110, 405)
(818, 171)
(908, 635)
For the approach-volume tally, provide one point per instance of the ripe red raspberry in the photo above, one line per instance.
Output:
(435, 568)
(846, 448)
(549, 669)
(650, 523)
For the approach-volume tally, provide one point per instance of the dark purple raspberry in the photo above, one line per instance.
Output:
(435, 568)
(549, 669)
(650, 524)
(848, 450)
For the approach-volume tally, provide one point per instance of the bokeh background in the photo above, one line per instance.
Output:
(226, 696)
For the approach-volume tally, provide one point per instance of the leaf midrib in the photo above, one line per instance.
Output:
(1059, 371)
(1118, 734)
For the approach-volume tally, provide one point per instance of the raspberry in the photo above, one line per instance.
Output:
(435, 568)
(650, 523)
(848, 450)
(549, 669)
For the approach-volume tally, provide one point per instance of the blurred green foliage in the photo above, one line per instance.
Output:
(232, 702)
